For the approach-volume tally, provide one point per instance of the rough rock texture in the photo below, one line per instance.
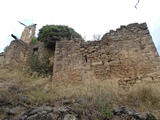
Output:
(49, 113)
(42, 113)
(68, 113)
(124, 113)
(19, 50)
(68, 61)
(127, 54)
(28, 33)
(41, 51)
(19, 54)
(2, 59)
(16, 53)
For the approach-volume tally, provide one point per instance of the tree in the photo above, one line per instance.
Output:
(96, 37)
(49, 34)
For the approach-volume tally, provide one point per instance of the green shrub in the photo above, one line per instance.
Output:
(42, 66)
(108, 112)
(49, 34)
(34, 40)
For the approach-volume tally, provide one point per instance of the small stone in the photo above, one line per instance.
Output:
(149, 116)
(14, 111)
(41, 109)
(139, 116)
(69, 117)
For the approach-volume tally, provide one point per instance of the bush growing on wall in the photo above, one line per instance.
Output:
(49, 34)
(42, 67)
(34, 40)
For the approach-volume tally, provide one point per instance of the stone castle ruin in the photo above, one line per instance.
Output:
(18, 50)
(28, 33)
(127, 55)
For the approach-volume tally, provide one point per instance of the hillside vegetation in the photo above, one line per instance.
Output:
(95, 98)
(49, 34)
(77, 80)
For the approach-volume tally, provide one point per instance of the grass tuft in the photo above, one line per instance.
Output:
(96, 97)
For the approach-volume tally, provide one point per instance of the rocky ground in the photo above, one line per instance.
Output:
(66, 111)
(17, 103)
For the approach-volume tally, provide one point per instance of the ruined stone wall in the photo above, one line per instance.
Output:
(28, 33)
(68, 61)
(16, 54)
(2, 59)
(127, 54)
(19, 54)
(19, 51)
(43, 54)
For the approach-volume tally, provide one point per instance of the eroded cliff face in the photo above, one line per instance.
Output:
(127, 54)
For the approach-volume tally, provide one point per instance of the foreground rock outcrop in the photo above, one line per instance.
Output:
(124, 113)
(68, 113)
(28, 99)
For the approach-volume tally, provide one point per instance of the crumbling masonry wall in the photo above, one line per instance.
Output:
(68, 61)
(2, 59)
(16, 54)
(28, 33)
(20, 50)
(127, 54)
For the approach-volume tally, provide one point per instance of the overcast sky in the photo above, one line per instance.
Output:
(88, 17)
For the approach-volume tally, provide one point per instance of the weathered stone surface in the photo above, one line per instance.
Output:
(68, 61)
(14, 111)
(19, 54)
(127, 54)
(19, 50)
(16, 54)
(69, 117)
(49, 113)
(68, 113)
(2, 59)
(149, 116)
(28, 33)
(125, 113)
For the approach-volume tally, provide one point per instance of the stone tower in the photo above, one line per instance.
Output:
(28, 33)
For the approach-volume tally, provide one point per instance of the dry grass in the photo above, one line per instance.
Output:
(144, 97)
(99, 95)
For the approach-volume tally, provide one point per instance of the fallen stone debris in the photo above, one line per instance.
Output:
(67, 113)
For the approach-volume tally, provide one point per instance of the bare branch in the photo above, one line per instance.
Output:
(14, 37)
(137, 4)
(22, 23)
(96, 37)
